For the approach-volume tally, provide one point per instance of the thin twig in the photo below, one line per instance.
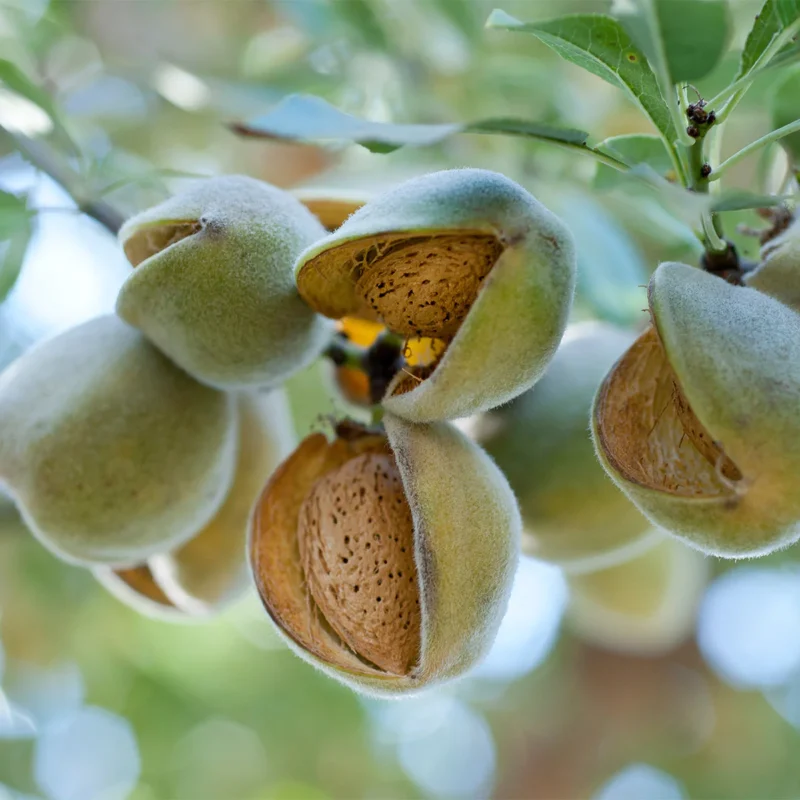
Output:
(45, 159)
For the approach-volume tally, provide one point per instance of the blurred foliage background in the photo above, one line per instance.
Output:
(97, 702)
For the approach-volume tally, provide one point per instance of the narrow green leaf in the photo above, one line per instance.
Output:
(304, 118)
(361, 16)
(785, 108)
(14, 79)
(775, 15)
(739, 199)
(633, 149)
(601, 45)
(519, 127)
(16, 229)
(682, 204)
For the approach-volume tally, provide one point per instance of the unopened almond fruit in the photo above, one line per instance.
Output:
(386, 560)
(697, 422)
(213, 286)
(464, 257)
(646, 606)
(211, 571)
(573, 514)
(111, 452)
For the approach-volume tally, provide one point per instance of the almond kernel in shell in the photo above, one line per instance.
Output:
(356, 542)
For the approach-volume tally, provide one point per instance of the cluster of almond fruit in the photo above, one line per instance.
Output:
(155, 446)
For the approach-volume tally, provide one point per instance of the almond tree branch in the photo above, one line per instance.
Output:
(45, 159)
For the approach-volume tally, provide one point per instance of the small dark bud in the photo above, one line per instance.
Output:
(693, 131)
(705, 170)
(712, 118)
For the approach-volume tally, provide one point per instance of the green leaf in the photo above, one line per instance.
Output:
(311, 119)
(16, 229)
(601, 45)
(361, 15)
(13, 78)
(681, 203)
(633, 149)
(692, 35)
(695, 35)
(510, 126)
(774, 17)
(785, 108)
(739, 199)
(307, 119)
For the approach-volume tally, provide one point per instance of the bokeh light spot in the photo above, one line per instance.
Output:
(749, 626)
(531, 624)
(640, 782)
(88, 755)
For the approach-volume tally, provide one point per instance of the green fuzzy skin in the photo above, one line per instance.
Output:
(644, 607)
(736, 354)
(467, 533)
(110, 451)
(222, 303)
(573, 514)
(211, 571)
(515, 324)
(778, 274)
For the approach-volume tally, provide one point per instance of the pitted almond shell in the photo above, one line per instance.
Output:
(213, 286)
(697, 421)
(350, 535)
(573, 514)
(210, 571)
(778, 274)
(137, 588)
(467, 257)
(331, 206)
(645, 606)
(111, 452)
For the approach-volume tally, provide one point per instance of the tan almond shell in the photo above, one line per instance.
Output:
(646, 606)
(573, 514)
(210, 571)
(110, 451)
(213, 286)
(466, 545)
(727, 358)
(509, 330)
(778, 274)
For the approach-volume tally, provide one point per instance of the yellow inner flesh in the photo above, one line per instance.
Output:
(275, 551)
(650, 434)
(152, 239)
(421, 356)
